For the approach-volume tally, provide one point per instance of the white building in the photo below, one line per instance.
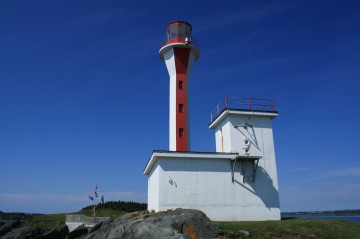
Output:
(238, 182)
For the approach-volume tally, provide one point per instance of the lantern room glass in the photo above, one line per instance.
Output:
(178, 30)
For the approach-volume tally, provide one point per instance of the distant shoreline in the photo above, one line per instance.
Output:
(322, 213)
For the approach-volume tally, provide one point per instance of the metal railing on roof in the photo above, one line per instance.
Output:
(242, 103)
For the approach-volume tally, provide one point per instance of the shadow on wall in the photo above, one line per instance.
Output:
(196, 165)
(262, 187)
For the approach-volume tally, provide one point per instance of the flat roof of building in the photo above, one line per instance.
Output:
(156, 154)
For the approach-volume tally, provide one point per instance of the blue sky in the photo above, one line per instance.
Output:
(84, 95)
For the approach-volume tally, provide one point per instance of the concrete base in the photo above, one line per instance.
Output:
(75, 220)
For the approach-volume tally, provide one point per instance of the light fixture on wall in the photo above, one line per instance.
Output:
(246, 146)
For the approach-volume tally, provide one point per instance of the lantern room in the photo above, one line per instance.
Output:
(178, 31)
(178, 34)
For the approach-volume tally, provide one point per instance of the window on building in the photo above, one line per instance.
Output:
(181, 108)
(181, 30)
(173, 31)
(181, 84)
(181, 132)
(187, 30)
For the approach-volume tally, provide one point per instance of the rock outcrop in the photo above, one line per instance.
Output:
(58, 232)
(179, 223)
(6, 226)
(23, 232)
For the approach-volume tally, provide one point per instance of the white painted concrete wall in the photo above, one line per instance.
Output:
(260, 136)
(170, 65)
(206, 184)
(153, 187)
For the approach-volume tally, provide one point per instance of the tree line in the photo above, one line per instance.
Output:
(16, 215)
(126, 206)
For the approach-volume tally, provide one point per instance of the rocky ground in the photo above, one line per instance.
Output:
(179, 223)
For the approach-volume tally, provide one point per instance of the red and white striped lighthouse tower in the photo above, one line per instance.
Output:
(179, 51)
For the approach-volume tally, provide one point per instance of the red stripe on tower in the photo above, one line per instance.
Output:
(181, 65)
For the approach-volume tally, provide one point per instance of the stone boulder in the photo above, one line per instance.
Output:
(78, 232)
(179, 223)
(6, 226)
(28, 231)
(23, 232)
(96, 227)
(58, 232)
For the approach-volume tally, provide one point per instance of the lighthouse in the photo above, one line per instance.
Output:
(236, 182)
(179, 51)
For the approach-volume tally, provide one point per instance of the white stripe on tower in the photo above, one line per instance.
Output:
(170, 64)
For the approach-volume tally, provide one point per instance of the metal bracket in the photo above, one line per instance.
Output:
(233, 164)
(245, 160)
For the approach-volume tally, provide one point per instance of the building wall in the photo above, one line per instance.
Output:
(260, 135)
(206, 184)
(261, 143)
(205, 180)
(153, 188)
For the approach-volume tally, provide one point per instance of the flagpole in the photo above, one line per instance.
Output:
(96, 195)
(94, 200)
(94, 210)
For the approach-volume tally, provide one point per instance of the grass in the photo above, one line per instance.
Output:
(293, 228)
(47, 220)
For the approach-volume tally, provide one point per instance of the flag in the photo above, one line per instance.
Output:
(102, 199)
(91, 198)
(95, 191)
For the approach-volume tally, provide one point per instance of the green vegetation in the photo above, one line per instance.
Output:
(120, 206)
(293, 228)
(101, 212)
(16, 215)
(47, 220)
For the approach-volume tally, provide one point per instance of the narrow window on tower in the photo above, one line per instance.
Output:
(181, 132)
(180, 84)
(181, 108)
